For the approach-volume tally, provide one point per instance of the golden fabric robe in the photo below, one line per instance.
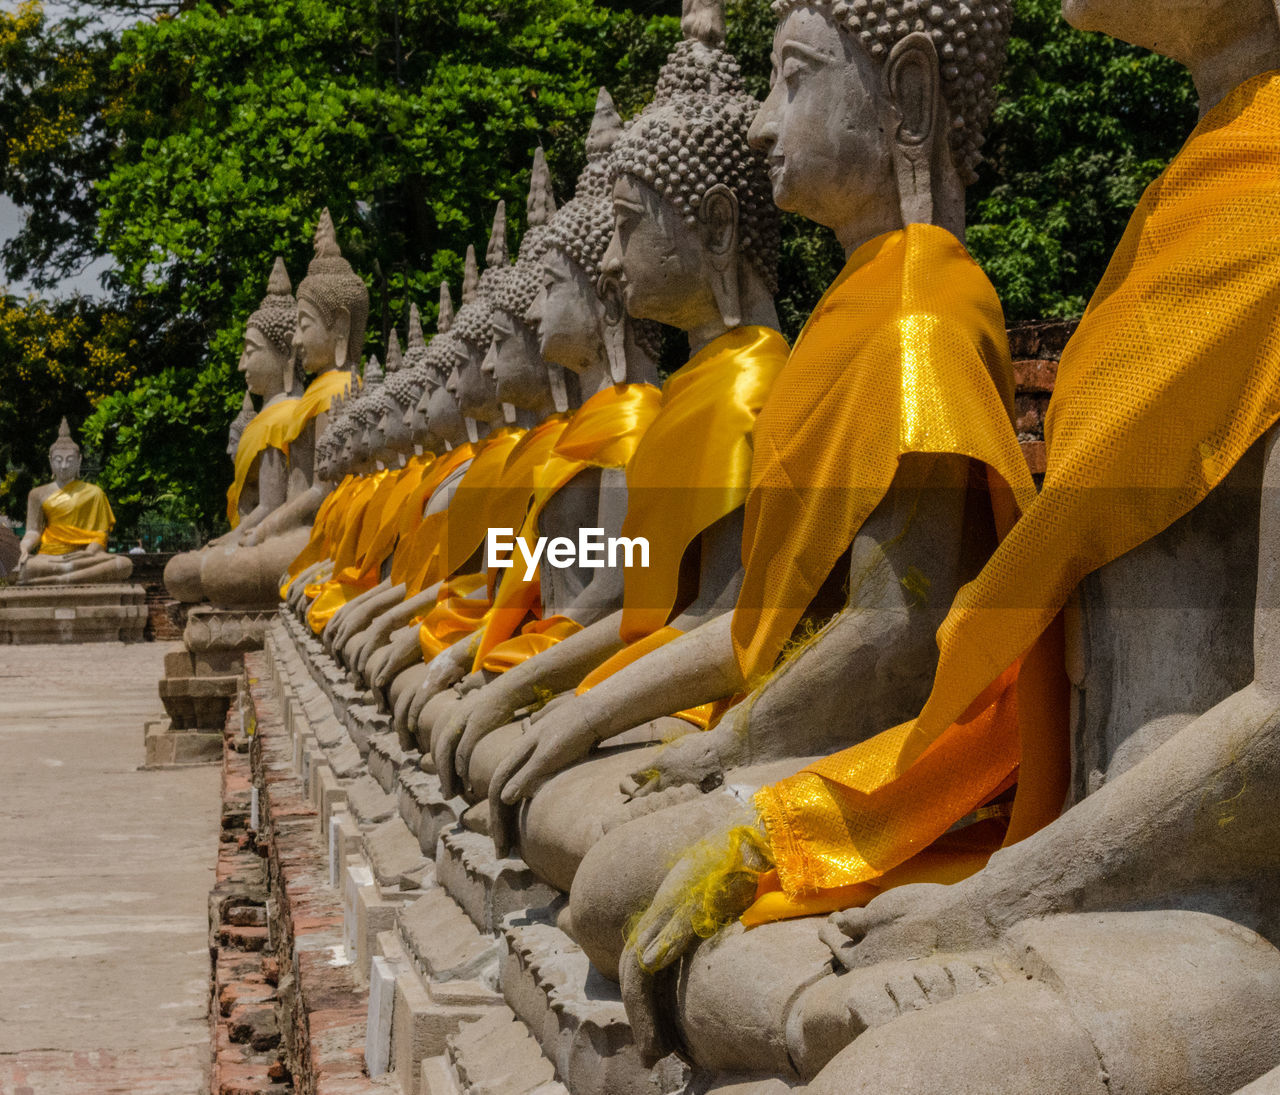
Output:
(320, 546)
(316, 399)
(272, 427)
(1173, 373)
(75, 516)
(420, 533)
(604, 432)
(693, 465)
(329, 596)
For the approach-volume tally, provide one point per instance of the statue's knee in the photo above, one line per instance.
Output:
(1012, 1039)
(491, 751)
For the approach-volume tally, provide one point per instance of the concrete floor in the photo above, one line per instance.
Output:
(104, 879)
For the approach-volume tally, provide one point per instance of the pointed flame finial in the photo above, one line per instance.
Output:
(703, 21)
(541, 205)
(445, 320)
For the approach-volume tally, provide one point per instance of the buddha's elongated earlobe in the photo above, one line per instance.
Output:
(911, 84)
(718, 215)
(615, 326)
(559, 393)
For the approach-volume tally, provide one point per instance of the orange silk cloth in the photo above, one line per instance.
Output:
(460, 608)
(320, 545)
(441, 536)
(419, 532)
(1172, 375)
(693, 465)
(704, 716)
(329, 596)
(604, 432)
(358, 559)
(75, 516)
(268, 429)
(315, 401)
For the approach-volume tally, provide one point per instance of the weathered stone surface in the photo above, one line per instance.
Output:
(369, 802)
(393, 851)
(487, 887)
(444, 942)
(73, 614)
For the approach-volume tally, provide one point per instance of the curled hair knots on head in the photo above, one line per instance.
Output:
(693, 136)
(473, 324)
(970, 36)
(405, 387)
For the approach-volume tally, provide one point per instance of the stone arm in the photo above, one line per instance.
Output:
(291, 515)
(35, 525)
(273, 483)
(603, 594)
(870, 668)
(1192, 824)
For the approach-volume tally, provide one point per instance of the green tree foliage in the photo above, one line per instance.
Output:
(197, 144)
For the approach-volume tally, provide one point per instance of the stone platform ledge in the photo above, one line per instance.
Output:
(110, 612)
(325, 1009)
(168, 746)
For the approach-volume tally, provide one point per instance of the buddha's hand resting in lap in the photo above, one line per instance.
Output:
(914, 921)
(445, 735)
(502, 816)
(478, 714)
(700, 758)
(563, 737)
(711, 885)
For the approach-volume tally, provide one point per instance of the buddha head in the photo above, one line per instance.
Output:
(333, 306)
(268, 359)
(325, 468)
(438, 405)
(576, 330)
(472, 332)
(393, 402)
(1190, 32)
(522, 378)
(369, 410)
(874, 118)
(64, 456)
(695, 240)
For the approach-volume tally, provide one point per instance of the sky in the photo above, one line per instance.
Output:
(86, 282)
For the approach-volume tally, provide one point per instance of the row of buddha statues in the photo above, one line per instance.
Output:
(890, 771)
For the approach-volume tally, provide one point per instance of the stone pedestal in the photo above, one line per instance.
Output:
(115, 612)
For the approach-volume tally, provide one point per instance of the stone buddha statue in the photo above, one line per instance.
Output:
(1060, 965)
(613, 359)
(264, 477)
(68, 522)
(333, 308)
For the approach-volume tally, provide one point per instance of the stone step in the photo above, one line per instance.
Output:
(575, 1014)
(496, 1055)
(443, 942)
(487, 888)
(393, 852)
(386, 759)
(424, 808)
(369, 802)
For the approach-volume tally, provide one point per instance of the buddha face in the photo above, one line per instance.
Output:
(825, 126)
(445, 415)
(262, 364)
(417, 420)
(64, 460)
(515, 364)
(472, 387)
(1185, 30)
(663, 262)
(567, 313)
(315, 340)
(395, 432)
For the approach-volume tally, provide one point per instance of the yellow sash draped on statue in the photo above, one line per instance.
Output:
(604, 432)
(271, 428)
(316, 399)
(373, 538)
(460, 609)
(329, 596)
(75, 516)
(320, 546)
(419, 532)
(693, 465)
(1173, 373)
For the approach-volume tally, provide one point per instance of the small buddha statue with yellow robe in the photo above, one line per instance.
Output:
(68, 522)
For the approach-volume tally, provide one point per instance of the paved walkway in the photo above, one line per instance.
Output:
(104, 879)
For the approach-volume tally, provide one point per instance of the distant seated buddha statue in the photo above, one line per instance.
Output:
(67, 525)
